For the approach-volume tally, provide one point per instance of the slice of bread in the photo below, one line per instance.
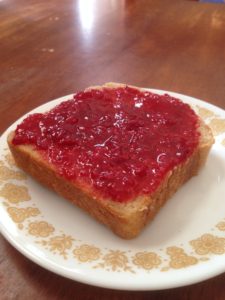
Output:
(126, 219)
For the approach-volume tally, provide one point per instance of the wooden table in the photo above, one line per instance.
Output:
(53, 48)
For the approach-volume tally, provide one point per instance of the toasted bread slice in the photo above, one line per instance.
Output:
(126, 219)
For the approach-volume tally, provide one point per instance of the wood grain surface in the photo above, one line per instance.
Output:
(52, 48)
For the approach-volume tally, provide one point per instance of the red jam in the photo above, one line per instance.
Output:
(121, 142)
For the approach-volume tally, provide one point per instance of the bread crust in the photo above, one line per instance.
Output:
(125, 219)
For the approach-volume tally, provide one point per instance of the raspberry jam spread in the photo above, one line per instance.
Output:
(121, 141)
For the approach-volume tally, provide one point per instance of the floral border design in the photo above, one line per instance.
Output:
(16, 197)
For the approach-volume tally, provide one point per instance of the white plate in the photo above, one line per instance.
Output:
(183, 245)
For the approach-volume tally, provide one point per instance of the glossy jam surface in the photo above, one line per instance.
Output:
(121, 142)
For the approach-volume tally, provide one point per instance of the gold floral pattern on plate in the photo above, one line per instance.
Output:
(10, 160)
(20, 226)
(15, 193)
(209, 244)
(18, 215)
(179, 259)
(87, 253)
(205, 113)
(7, 173)
(217, 125)
(221, 226)
(59, 244)
(147, 260)
(115, 260)
(40, 229)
